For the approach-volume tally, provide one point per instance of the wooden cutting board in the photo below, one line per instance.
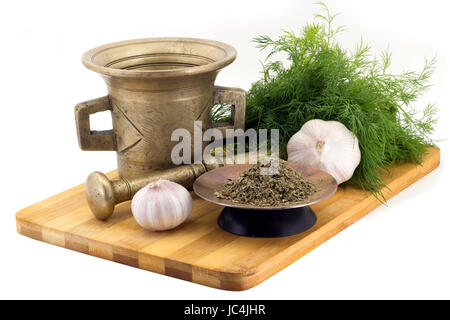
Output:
(198, 250)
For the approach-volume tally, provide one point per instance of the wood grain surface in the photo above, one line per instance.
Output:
(198, 250)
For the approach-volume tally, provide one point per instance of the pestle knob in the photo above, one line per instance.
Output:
(100, 195)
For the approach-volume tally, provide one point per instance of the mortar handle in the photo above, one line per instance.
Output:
(235, 97)
(88, 139)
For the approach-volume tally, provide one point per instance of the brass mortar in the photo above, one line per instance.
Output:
(155, 86)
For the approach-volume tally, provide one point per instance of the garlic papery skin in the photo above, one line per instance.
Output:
(161, 205)
(327, 145)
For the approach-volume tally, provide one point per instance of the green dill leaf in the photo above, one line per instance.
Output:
(325, 81)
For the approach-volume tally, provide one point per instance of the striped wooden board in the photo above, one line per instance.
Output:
(199, 251)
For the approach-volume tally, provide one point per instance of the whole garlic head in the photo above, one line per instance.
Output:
(161, 205)
(327, 145)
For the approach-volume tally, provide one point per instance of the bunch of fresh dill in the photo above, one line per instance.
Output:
(325, 81)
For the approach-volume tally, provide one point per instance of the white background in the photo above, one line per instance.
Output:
(397, 251)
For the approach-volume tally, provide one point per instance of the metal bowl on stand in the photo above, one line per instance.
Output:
(253, 221)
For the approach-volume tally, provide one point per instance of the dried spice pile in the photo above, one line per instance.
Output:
(251, 187)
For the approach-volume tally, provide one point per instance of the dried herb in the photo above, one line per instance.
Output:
(283, 188)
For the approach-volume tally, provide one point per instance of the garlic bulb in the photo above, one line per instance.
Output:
(327, 145)
(161, 205)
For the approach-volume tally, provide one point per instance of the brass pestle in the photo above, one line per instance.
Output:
(103, 194)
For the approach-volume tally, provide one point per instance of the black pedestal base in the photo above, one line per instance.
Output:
(266, 223)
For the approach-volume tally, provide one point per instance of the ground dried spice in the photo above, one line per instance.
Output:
(283, 188)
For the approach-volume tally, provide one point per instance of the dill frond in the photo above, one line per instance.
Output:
(325, 81)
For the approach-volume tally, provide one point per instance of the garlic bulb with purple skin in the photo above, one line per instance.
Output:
(161, 205)
(327, 145)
